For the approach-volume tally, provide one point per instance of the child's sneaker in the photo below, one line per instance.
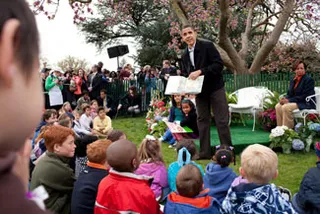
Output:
(285, 193)
(173, 145)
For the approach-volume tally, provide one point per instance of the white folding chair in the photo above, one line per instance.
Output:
(250, 101)
(305, 112)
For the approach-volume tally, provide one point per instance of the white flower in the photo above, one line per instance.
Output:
(276, 132)
(284, 127)
(165, 119)
(150, 137)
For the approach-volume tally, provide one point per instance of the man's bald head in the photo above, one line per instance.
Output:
(122, 156)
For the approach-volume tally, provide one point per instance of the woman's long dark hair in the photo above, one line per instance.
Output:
(174, 102)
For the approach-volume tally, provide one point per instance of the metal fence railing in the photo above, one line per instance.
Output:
(274, 81)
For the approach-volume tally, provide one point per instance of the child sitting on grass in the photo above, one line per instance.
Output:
(94, 108)
(176, 115)
(102, 123)
(66, 108)
(122, 191)
(48, 117)
(219, 176)
(190, 196)
(86, 187)
(116, 135)
(259, 166)
(189, 119)
(152, 164)
(307, 200)
(187, 151)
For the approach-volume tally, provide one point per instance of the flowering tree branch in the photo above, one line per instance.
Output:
(257, 21)
(274, 37)
(245, 36)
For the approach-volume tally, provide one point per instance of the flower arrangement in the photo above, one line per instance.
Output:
(268, 119)
(307, 133)
(313, 118)
(157, 113)
(282, 136)
(299, 139)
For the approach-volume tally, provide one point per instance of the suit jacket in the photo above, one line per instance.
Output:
(96, 85)
(304, 89)
(109, 102)
(208, 60)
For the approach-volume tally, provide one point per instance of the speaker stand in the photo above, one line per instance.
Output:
(118, 62)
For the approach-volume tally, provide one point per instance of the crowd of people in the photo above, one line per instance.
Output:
(77, 86)
(80, 164)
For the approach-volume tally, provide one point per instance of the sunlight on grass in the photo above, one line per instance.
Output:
(291, 167)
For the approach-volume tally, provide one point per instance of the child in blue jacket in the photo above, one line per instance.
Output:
(189, 197)
(187, 151)
(219, 176)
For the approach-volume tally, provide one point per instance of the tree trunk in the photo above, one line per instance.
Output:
(224, 40)
(274, 38)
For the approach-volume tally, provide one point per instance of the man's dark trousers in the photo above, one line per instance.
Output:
(218, 103)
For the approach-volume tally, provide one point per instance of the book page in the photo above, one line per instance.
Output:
(175, 128)
(175, 85)
(194, 86)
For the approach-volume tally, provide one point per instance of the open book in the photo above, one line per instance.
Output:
(182, 85)
(175, 128)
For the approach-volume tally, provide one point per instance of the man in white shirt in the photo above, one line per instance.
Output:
(202, 58)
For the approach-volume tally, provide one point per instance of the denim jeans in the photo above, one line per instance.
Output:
(167, 137)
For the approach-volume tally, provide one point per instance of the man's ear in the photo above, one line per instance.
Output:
(7, 49)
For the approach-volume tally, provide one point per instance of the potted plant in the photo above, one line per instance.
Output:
(282, 137)
(267, 118)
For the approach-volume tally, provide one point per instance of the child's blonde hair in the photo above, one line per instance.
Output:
(150, 150)
(259, 164)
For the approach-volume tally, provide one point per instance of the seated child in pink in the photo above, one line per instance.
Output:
(152, 164)
(94, 109)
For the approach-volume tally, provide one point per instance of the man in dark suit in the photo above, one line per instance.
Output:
(106, 102)
(202, 58)
(94, 83)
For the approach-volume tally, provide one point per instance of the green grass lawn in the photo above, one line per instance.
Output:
(292, 167)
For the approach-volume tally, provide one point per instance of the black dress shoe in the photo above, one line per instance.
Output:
(203, 157)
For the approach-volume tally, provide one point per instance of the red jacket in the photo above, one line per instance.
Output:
(123, 192)
(78, 82)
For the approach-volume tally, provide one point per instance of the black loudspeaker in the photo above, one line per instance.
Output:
(119, 50)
